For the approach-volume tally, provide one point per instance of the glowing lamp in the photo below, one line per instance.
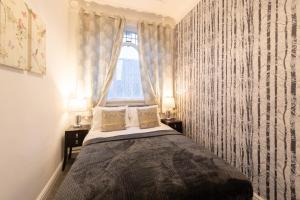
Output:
(168, 106)
(77, 106)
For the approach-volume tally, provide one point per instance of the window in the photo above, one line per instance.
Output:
(126, 84)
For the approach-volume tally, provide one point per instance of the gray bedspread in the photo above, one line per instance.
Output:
(162, 165)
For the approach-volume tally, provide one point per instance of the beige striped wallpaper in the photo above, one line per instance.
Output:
(237, 86)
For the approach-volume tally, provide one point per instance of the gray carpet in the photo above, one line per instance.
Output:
(61, 177)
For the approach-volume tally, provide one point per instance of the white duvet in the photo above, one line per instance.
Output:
(96, 133)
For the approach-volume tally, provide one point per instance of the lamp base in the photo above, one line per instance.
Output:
(77, 126)
(168, 115)
(77, 122)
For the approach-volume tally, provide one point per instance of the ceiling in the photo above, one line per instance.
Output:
(176, 9)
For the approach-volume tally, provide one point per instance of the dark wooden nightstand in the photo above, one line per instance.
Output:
(173, 123)
(74, 138)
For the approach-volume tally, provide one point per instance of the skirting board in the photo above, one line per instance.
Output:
(43, 195)
(256, 197)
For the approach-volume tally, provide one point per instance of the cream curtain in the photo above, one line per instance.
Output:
(100, 43)
(156, 60)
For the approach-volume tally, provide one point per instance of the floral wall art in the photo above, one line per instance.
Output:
(37, 50)
(13, 34)
(22, 37)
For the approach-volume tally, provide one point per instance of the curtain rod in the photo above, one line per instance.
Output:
(131, 15)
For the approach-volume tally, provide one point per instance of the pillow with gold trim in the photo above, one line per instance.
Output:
(113, 120)
(148, 117)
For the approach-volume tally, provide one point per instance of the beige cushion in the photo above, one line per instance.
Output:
(113, 120)
(97, 115)
(148, 117)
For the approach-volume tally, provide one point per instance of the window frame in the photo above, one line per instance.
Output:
(120, 101)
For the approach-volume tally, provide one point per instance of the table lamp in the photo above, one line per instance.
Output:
(77, 106)
(168, 105)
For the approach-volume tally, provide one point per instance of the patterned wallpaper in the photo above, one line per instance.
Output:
(237, 86)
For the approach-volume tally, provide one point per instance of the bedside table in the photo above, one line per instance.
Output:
(173, 123)
(74, 138)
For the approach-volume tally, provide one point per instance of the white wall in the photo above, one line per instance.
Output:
(32, 112)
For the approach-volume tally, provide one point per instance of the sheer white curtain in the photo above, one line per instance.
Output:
(100, 39)
(156, 60)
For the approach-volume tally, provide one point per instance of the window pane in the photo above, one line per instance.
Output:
(126, 84)
(130, 37)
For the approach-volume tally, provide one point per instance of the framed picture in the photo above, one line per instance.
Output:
(22, 37)
(37, 44)
(14, 34)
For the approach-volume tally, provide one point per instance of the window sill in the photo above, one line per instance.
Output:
(125, 102)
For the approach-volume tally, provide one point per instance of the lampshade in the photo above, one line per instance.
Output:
(168, 103)
(77, 105)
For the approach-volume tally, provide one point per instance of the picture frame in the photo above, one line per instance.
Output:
(22, 37)
(14, 34)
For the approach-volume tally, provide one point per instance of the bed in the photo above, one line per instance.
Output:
(156, 163)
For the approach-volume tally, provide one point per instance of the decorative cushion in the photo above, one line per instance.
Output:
(148, 117)
(97, 115)
(113, 120)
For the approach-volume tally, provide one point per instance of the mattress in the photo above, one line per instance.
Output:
(96, 133)
(153, 164)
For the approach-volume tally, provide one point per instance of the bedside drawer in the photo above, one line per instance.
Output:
(75, 139)
(177, 127)
(173, 123)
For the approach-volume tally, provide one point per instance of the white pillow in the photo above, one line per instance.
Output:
(133, 115)
(97, 115)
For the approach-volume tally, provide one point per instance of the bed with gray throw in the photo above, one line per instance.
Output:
(161, 165)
